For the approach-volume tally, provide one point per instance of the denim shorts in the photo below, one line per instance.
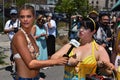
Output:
(40, 75)
(35, 78)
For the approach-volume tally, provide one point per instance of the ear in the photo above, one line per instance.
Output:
(94, 31)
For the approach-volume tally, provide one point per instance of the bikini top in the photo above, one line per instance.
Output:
(86, 66)
(89, 61)
(30, 47)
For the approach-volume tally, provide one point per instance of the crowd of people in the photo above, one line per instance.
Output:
(33, 44)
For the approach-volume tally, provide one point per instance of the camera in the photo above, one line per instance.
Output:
(15, 30)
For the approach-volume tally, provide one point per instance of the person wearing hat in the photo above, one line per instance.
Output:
(94, 15)
(11, 27)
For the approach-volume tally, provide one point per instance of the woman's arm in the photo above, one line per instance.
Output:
(20, 44)
(72, 59)
(104, 61)
(103, 55)
(33, 31)
(61, 51)
(46, 29)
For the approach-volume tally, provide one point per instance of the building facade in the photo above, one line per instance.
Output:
(50, 4)
(102, 5)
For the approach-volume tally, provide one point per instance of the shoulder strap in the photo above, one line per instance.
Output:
(94, 46)
(28, 40)
(10, 23)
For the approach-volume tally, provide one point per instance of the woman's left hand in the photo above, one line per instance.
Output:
(106, 67)
(109, 66)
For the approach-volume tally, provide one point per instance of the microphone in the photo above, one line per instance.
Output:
(74, 43)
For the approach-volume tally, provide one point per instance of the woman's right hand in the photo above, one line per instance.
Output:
(61, 61)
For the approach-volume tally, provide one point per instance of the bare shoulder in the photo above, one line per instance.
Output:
(33, 29)
(101, 50)
(18, 37)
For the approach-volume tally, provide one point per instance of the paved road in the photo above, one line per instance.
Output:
(53, 73)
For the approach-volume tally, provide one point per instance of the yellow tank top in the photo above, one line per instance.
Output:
(87, 66)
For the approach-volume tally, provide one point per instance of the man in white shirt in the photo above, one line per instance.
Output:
(12, 25)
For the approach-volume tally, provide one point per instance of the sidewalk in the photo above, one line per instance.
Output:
(5, 46)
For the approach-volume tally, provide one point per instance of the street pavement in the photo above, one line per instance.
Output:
(52, 73)
(5, 45)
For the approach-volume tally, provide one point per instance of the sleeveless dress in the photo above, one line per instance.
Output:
(41, 42)
(87, 66)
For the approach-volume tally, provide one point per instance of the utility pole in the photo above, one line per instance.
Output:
(3, 14)
(106, 4)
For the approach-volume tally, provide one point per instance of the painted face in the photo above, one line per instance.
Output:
(84, 33)
(26, 18)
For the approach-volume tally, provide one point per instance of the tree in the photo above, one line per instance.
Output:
(7, 3)
(71, 7)
(19, 3)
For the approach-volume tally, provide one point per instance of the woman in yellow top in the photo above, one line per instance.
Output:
(83, 60)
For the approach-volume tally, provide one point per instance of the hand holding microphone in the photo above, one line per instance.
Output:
(74, 43)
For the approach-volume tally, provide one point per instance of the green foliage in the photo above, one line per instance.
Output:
(1, 59)
(6, 5)
(65, 6)
(18, 3)
(21, 2)
(73, 7)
